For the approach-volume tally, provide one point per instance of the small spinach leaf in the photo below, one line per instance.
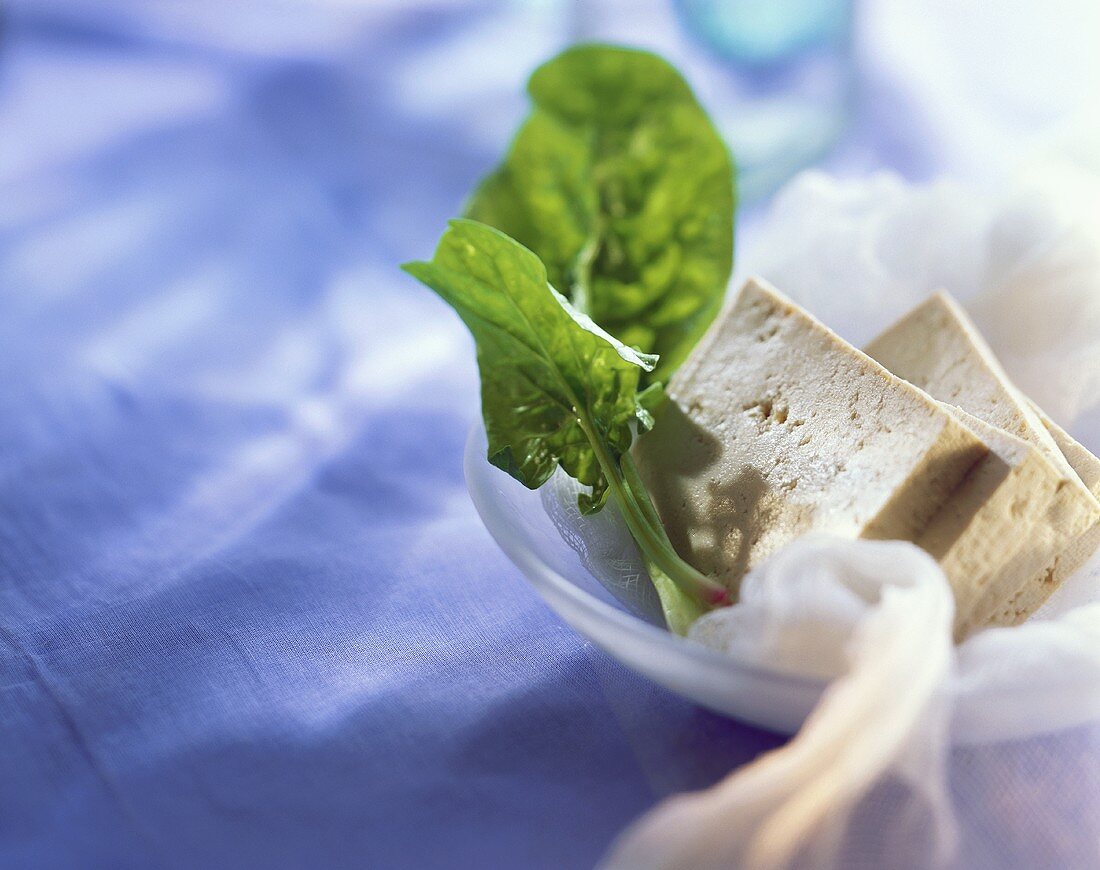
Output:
(556, 390)
(552, 381)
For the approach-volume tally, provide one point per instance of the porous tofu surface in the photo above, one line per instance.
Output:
(1008, 516)
(1081, 460)
(775, 426)
(937, 348)
(1070, 559)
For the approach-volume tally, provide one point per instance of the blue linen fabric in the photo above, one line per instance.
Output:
(248, 616)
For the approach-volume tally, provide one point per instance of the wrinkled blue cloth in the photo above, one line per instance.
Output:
(248, 616)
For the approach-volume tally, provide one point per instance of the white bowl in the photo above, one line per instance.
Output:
(588, 570)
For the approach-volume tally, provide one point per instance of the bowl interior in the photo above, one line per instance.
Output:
(589, 570)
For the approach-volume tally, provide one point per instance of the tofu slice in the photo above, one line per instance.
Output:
(1077, 455)
(1004, 519)
(776, 427)
(937, 348)
(1074, 557)
(1048, 561)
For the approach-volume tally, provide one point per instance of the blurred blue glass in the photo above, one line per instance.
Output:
(788, 89)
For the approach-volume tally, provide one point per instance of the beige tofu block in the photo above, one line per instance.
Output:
(937, 348)
(1087, 467)
(1006, 522)
(776, 427)
(1048, 560)
(1077, 455)
(1084, 546)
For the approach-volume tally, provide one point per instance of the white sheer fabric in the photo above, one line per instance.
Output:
(920, 754)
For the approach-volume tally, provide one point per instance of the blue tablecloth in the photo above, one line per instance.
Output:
(248, 616)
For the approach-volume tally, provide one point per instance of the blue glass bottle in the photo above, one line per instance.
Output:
(787, 90)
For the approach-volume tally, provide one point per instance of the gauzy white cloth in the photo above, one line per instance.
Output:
(896, 765)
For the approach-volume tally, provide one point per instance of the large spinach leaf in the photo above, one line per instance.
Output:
(620, 184)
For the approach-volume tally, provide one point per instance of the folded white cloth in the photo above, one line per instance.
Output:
(909, 743)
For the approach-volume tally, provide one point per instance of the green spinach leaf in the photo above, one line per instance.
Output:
(620, 184)
(552, 381)
(557, 390)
